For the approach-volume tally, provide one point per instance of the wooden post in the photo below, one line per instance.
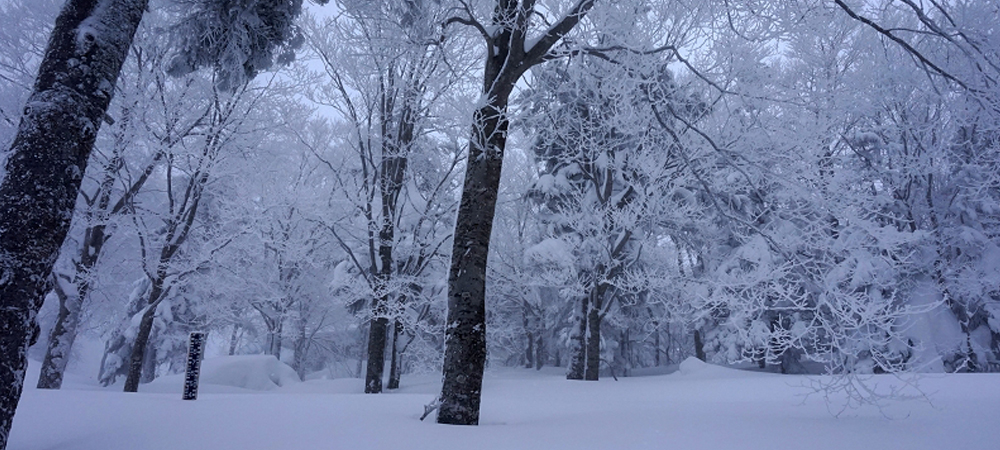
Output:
(196, 349)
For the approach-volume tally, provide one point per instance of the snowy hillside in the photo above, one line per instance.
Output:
(697, 407)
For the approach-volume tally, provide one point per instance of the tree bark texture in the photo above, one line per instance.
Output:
(578, 352)
(274, 336)
(656, 343)
(529, 351)
(377, 334)
(465, 335)
(48, 157)
(60, 340)
(394, 364)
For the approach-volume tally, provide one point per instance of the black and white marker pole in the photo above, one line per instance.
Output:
(196, 348)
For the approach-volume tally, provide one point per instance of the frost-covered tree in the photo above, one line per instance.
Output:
(45, 166)
(176, 211)
(237, 39)
(826, 203)
(398, 81)
(23, 45)
(125, 158)
(517, 37)
(939, 134)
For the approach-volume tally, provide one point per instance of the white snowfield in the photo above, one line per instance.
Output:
(698, 407)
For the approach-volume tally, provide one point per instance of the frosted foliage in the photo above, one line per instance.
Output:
(774, 185)
(236, 38)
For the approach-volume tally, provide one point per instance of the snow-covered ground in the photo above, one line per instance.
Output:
(698, 407)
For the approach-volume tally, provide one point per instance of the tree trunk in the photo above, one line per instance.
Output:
(625, 352)
(376, 355)
(578, 352)
(149, 358)
(594, 328)
(301, 349)
(139, 349)
(699, 346)
(139, 346)
(234, 339)
(656, 344)
(118, 349)
(539, 352)
(46, 164)
(593, 340)
(60, 341)
(394, 360)
(275, 327)
(465, 338)
(508, 57)
(529, 354)
(391, 173)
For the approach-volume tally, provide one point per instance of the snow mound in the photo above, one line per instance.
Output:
(694, 367)
(255, 372)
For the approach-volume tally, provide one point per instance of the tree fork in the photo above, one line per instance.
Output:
(508, 57)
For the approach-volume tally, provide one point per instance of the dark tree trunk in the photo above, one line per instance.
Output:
(625, 352)
(508, 57)
(391, 173)
(394, 360)
(699, 346)
(118, 346)
(465, 335)
(578, 352)
(539, 353)
(137, 358)
(301, 349)
(465, 338)
(377, 335)
(656, 344)
(45, 166)
(529, 351)
(234, 339)
(149, 359)
(594, 334)
(139, 349)
(60, 340)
